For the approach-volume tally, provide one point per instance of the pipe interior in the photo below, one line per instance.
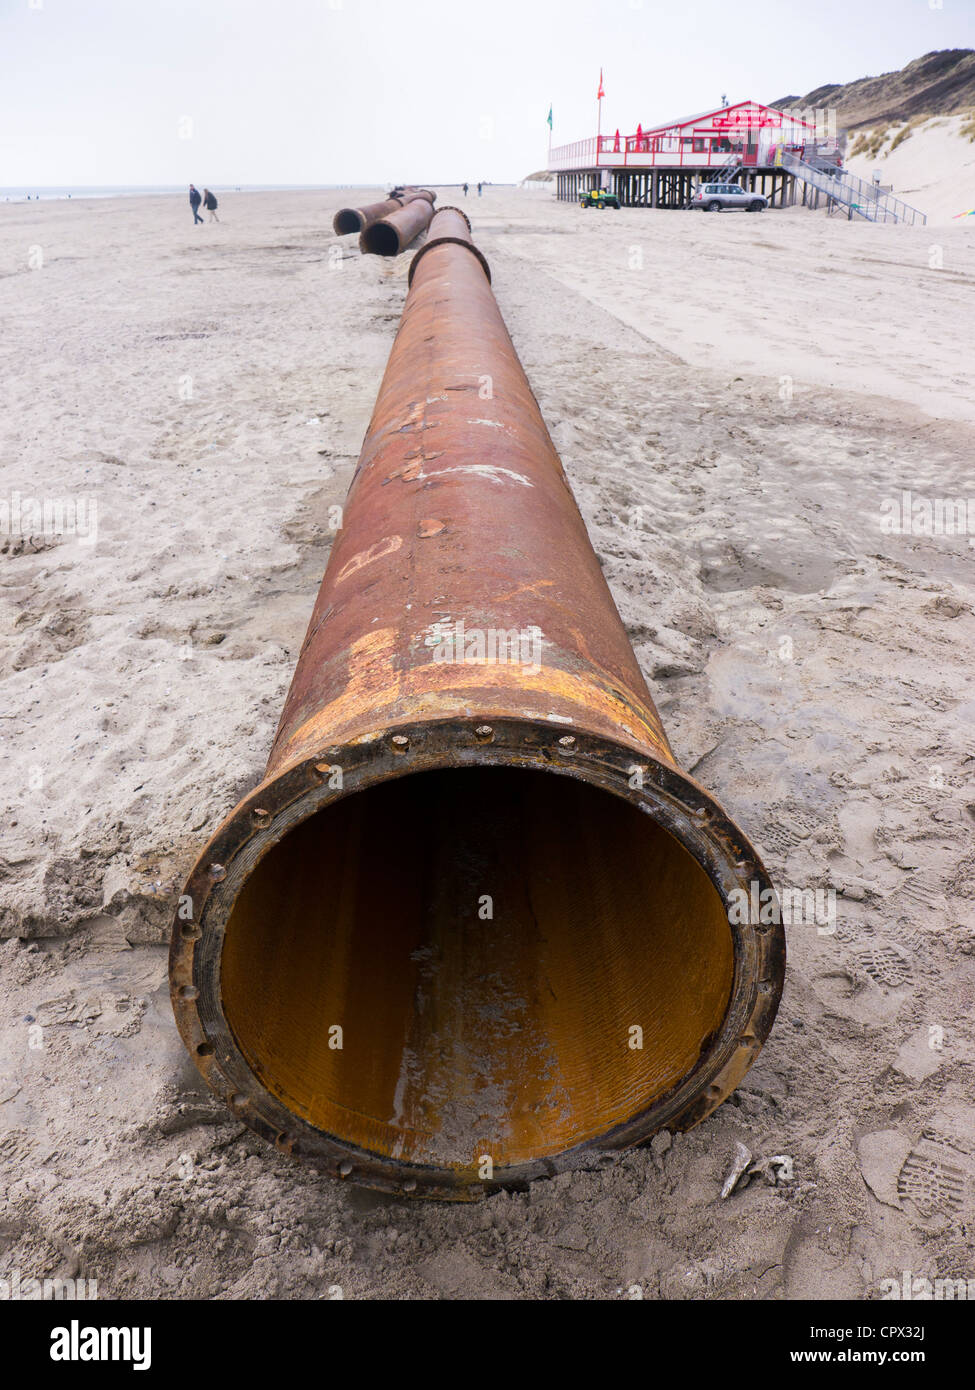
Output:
(486, 938)
(381, 240)
(347, 220)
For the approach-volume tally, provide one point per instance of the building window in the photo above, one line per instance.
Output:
(700, 144)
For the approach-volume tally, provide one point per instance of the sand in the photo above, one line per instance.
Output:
(734, 398)
(933, 168)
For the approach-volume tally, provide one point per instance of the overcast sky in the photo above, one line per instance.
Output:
(374, 91)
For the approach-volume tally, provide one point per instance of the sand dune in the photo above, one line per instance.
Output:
(933, 169)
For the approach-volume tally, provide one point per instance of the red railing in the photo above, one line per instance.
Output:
(656, 151)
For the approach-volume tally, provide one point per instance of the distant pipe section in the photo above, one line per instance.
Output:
(394, 232)
(349, 220)
(411, 192)
(475, 925)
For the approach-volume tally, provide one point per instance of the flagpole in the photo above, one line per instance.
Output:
(599, 117)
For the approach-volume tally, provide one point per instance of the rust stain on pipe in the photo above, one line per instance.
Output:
(474, 922)
(393, 233)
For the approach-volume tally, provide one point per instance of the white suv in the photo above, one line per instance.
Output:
(713, 197)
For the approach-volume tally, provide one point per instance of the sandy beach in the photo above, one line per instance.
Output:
(739, 402)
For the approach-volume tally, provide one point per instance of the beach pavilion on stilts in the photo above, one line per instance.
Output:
(661, 167)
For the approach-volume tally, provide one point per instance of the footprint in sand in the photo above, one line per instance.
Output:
(917, 898)
(787, 825)
(938, 1175)
(886, 964)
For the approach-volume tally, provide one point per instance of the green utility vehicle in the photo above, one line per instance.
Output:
(599, 198)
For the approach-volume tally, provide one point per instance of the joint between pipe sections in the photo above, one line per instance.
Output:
(450, 208)
(432, 244)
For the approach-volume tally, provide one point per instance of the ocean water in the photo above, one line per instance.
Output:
(20, 194)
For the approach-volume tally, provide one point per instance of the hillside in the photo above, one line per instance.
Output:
(939, 84)
(929, 163)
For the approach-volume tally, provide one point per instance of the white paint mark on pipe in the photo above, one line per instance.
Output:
(490, 471)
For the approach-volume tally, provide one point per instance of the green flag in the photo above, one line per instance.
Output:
(550, 118)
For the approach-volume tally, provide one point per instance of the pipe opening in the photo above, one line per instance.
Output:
(346, 220)
(380, 240)
(487, 939)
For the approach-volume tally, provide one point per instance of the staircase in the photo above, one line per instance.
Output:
(860, 198)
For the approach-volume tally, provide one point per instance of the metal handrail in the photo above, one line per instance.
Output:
(863, 198)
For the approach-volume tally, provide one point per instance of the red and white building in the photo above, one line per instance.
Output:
(658, 166)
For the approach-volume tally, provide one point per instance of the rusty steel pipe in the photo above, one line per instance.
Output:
(475, 922)
(410, 192)
(449, 225)
(393, 233)
(348, 220)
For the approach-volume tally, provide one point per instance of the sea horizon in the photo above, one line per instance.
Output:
(18, 193)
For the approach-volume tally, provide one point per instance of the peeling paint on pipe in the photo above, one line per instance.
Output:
(475, 923)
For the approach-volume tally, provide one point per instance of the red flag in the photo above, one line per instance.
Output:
(600, 94)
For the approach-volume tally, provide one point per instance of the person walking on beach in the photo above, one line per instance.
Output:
(480, 186)
(195, 201)
(210, 203)
(466, 189)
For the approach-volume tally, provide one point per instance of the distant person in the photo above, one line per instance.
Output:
(195, 201)
(210, 203)
(480, 189)
(467, 189)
